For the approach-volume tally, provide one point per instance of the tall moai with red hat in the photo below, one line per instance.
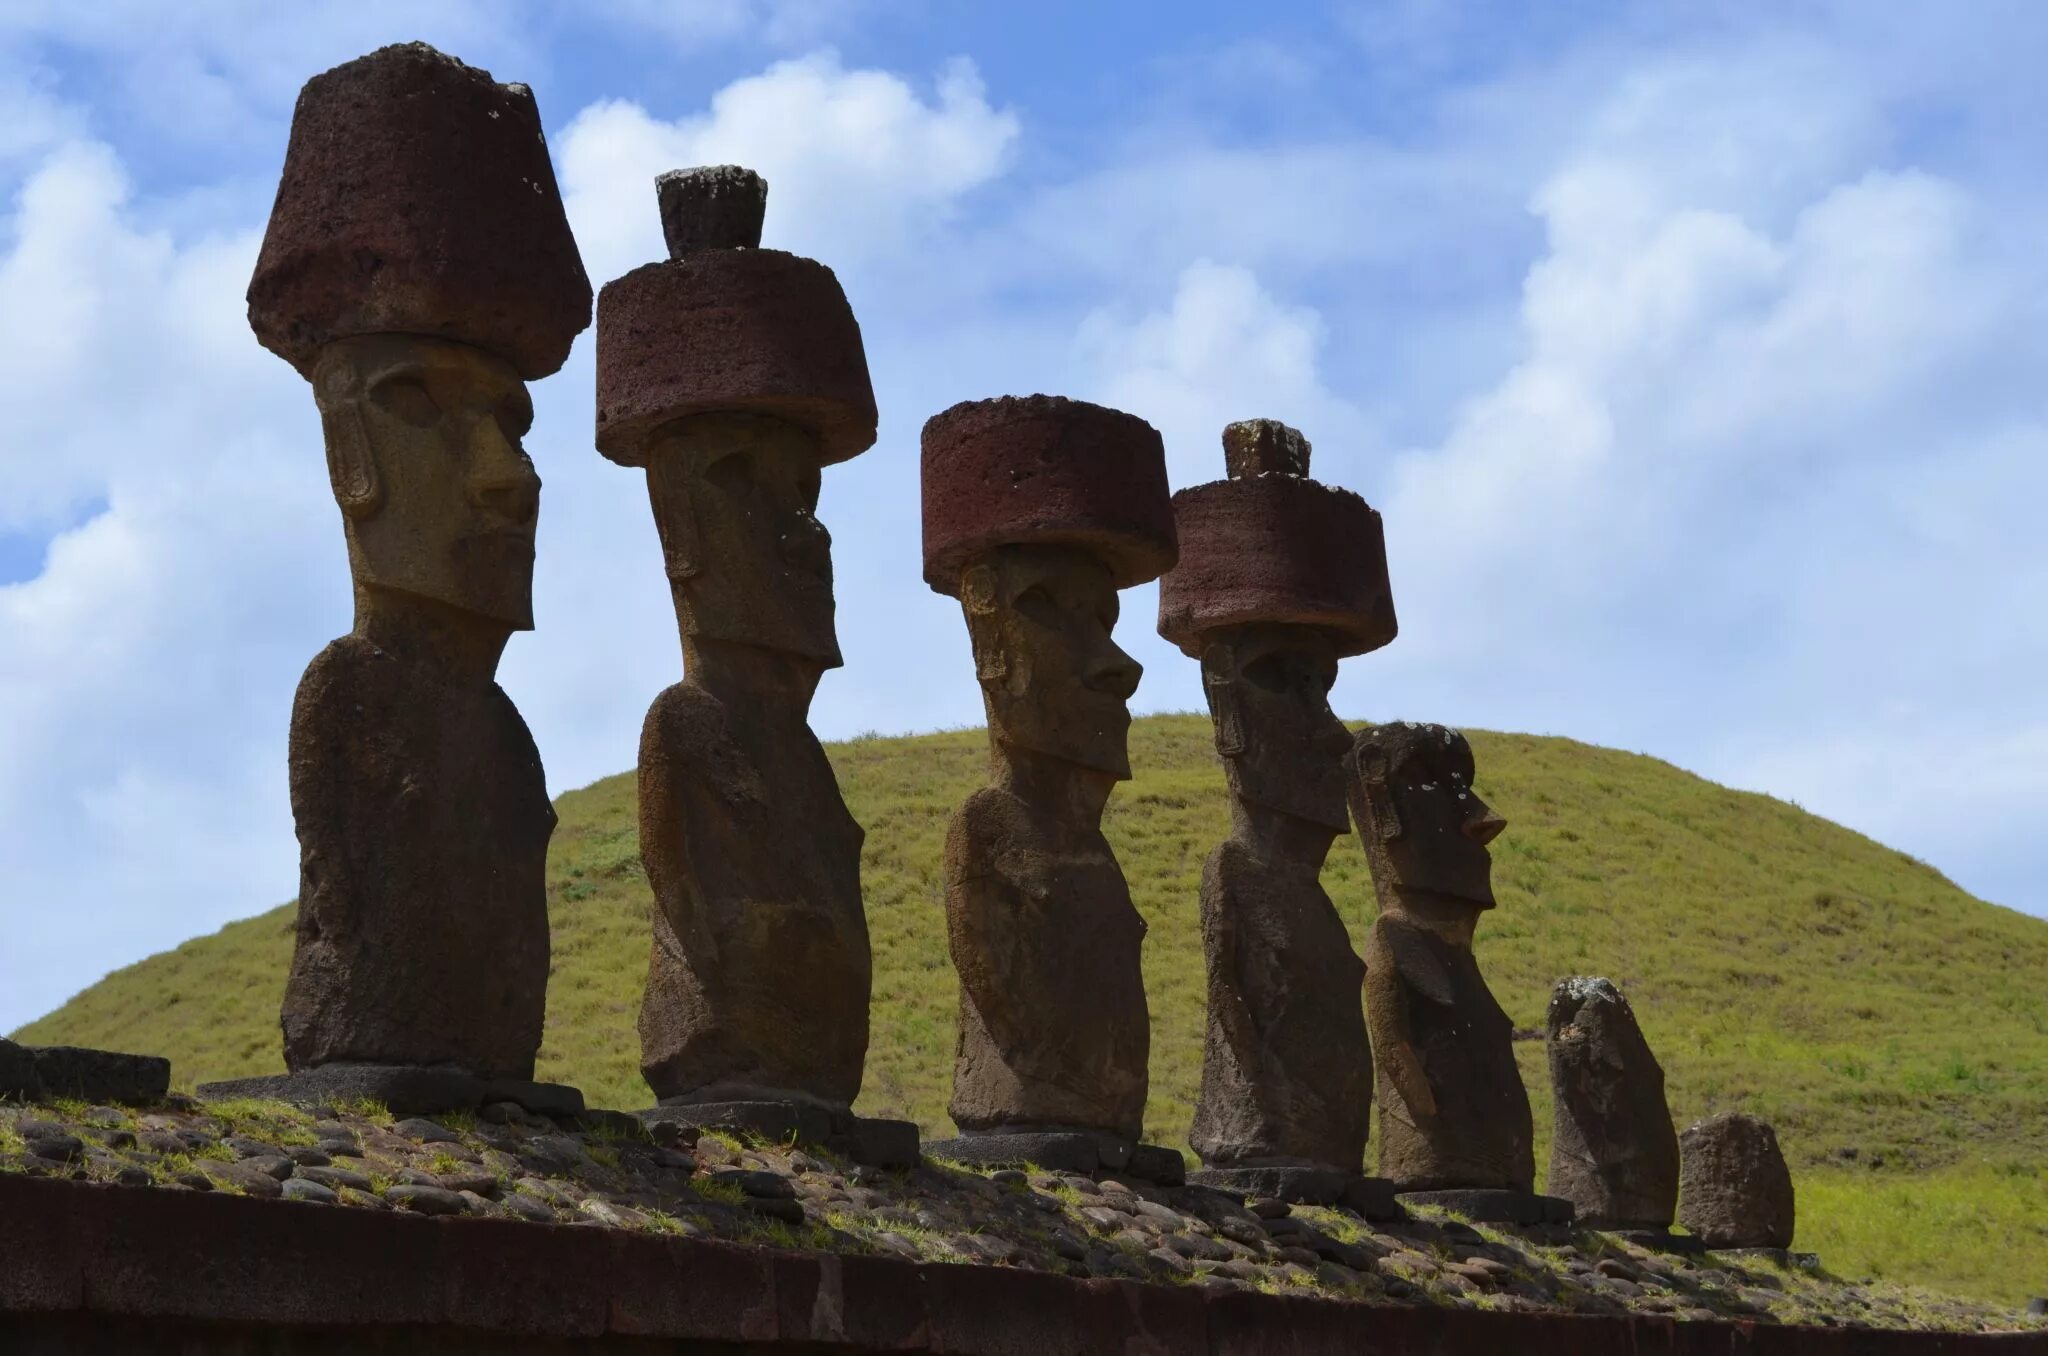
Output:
(1455, 1129)
(418, 270)
(735, 375)
(1280, 577)
(1036, 512)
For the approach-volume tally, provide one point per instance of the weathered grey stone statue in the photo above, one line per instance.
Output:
(418, 271)
(1454, 1117)
(1734, 1188)
(1036, 511)
(1279, 578)
(735, 374)
(1614, 1154)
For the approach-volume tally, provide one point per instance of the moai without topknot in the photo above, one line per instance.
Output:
(1279, 578)
(418, 270)
(1614, 1153)
(1735, 1190)
(1036, 511)
(1454, 1116)
(734, 375)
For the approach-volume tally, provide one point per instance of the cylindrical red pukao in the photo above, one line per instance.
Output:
(1044, 471)
(417, 198)
(1277, 548)
(731, 331)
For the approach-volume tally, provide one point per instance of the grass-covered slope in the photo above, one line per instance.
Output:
(1893, 1027)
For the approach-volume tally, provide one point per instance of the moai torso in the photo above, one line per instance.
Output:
(1614, 1152)
(759, 973)
(423, 821)
(1054, 1029)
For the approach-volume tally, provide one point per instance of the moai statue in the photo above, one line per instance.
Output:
(1454, 1117)
(1614, 1154)
(1279, 578)
(1036, 511)
(418, 271)
(1734, 1189)
(734, 375)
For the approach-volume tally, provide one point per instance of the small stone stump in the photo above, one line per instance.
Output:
(1614, 1153)
(1735, 1190)
(33, 1073)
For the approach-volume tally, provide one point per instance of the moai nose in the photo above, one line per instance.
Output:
(501, 479)
(1483, 825)
(1115, 672)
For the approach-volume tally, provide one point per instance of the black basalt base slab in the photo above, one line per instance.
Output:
(407, 1089)
(31, 1072)
(874, 1141)
(1086, 1152)
(1306, 1184)
(1493, 1205)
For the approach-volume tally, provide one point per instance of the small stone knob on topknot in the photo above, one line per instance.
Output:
(1256, 447)
(711, 207)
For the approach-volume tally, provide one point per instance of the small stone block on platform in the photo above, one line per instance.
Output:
(38, 1071)
(1157, 1164)
(778, 1122)
(404, 1089)
(1662, 1240)
(1297, 1185)
(1056, 1150)
(1493, 1205)
(877, 1142)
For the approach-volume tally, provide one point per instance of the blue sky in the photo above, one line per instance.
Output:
(1693, 352)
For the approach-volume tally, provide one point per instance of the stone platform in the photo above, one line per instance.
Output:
(1088, 1152)
(1371, 1197)
(1488, 1205)
(875, 1141)
(406, 1089)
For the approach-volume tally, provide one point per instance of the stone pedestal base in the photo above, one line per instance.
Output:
(1778, 1257)
(1493, 1205)
(1088, 1152)
(1371, 1197)
(876, 1142)
(34, 1072)
(1662, 1240)
(406, 1089)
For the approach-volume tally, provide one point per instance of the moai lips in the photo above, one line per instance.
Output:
(1453, 1112)
(1278, 578)
(734, 374)
(1036, 511)
(1614, 1154)
(418, 270)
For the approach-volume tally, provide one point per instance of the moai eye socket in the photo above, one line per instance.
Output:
(1269, 673)
(407, 398)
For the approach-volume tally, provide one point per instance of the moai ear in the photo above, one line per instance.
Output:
(1219, 682)
(351, 464)
(1372, 804)
(978, 586)
(675, 518)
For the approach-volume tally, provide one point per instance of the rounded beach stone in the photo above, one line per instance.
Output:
(1044, 471)
(1734, 1188)
(1277, 548)
(417, 197)
(731, 331)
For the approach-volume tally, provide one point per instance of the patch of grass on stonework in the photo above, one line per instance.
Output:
(1893, 1028)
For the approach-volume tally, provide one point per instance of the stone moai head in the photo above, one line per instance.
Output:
(1424, 828)
(1279, 577)
(735, 374)
(418, 270)
(1037, 510)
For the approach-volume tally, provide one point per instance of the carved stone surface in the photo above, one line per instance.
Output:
(1278, 578)
(1735, 1190)
(1614, 1153)
(733, 375)
(421, 808)
(1036, 511)
(1453, 1112)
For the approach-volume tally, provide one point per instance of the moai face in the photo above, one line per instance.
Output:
(1268, 686)
(1424, 827)
(1054, 680)
(736, 498)
(423, 448)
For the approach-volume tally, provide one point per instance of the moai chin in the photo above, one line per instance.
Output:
(1036, 512)
(1453, 1112)
(1614, 1153)
(734, 374)
(422, 811)
(1279, 578)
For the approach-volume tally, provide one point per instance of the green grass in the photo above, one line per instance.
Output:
(1894, 1028)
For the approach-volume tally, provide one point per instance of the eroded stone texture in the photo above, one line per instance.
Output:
(1279, 577)
(1614, 1153)
(1453, 1112)
(417, 269)
(1735, 1190)
(733, 375)
(1036, 512)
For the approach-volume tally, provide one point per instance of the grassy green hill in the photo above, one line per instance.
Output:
(1893, 1027)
